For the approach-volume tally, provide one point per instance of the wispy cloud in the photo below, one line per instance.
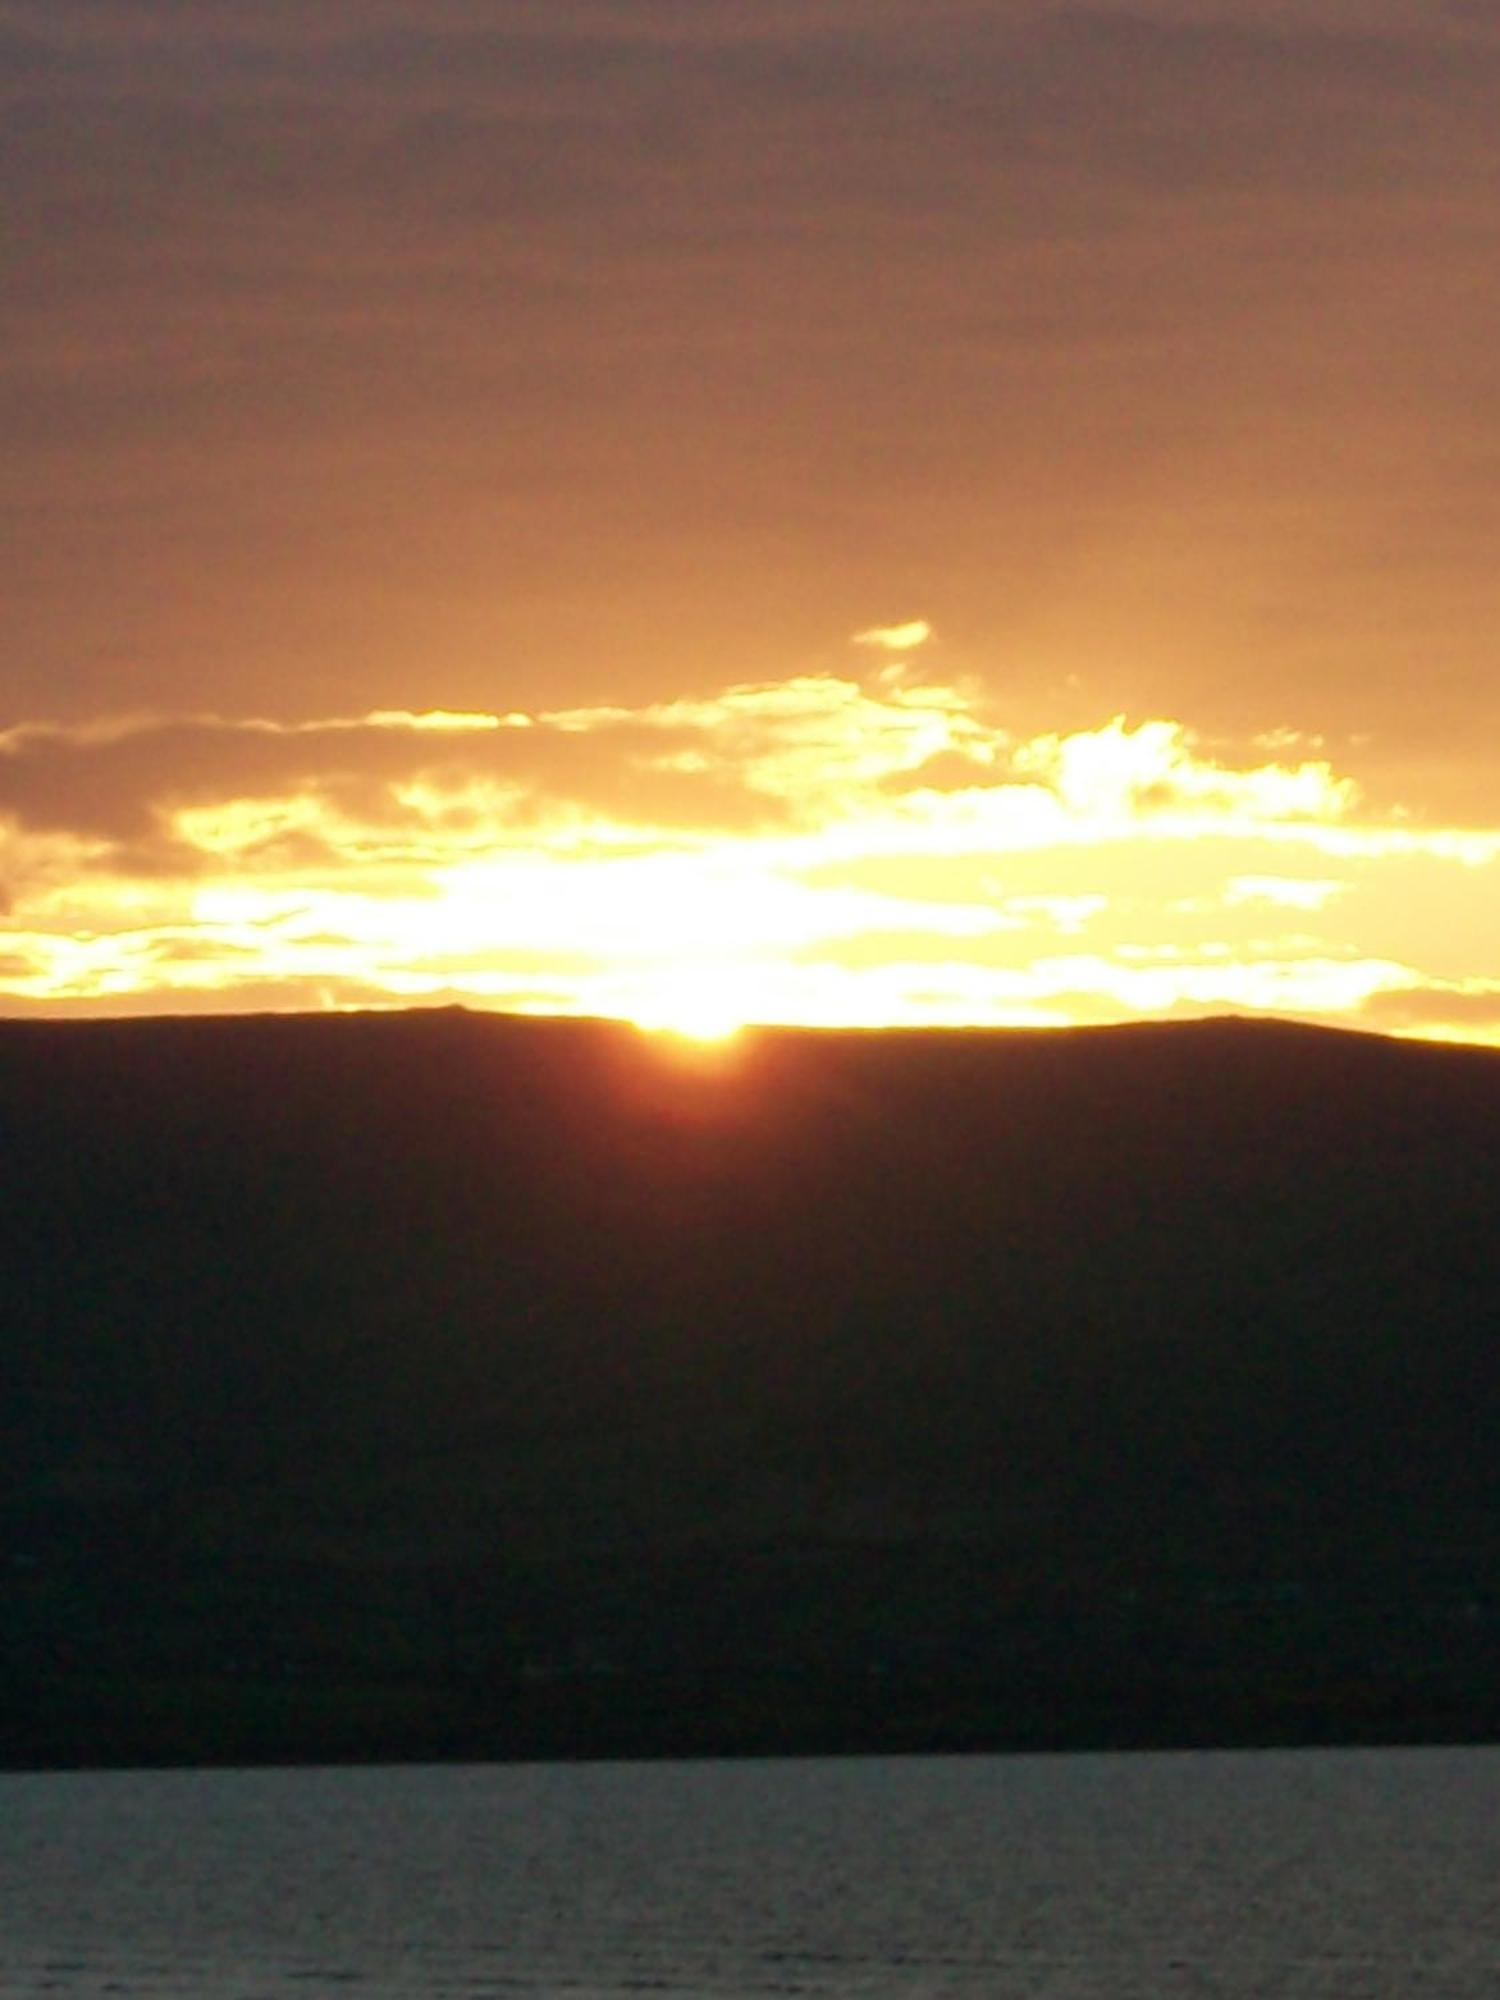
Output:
(896, 638)
(341, 339)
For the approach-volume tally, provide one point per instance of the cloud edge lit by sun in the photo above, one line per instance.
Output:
(816, 848)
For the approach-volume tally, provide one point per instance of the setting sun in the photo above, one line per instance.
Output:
(704, 1007)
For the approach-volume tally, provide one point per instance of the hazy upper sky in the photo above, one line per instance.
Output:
(663, 390)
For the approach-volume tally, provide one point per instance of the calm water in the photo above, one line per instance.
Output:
(1347, 1874)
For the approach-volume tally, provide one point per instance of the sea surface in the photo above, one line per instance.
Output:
(1348, 1874)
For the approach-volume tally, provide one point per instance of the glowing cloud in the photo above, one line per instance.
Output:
(809, 849)
(896, 638)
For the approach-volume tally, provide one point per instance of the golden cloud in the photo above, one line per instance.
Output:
(815, 848)
(895, 638)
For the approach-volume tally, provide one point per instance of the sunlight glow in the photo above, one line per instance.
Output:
(700, 1006)
(817, 850)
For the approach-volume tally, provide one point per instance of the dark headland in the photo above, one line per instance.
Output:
(439, 1384)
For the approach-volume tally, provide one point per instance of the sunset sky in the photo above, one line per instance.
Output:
(825, 510)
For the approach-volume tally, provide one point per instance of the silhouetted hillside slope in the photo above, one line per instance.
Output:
(425, 1381)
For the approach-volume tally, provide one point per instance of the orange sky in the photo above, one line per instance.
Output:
(846, 510)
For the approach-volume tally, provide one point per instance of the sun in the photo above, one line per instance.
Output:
(693, 1020)
(704, 1005)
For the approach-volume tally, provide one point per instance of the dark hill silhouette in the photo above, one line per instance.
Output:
(429, 1382)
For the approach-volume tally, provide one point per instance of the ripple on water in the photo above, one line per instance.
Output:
(1314, 1876)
